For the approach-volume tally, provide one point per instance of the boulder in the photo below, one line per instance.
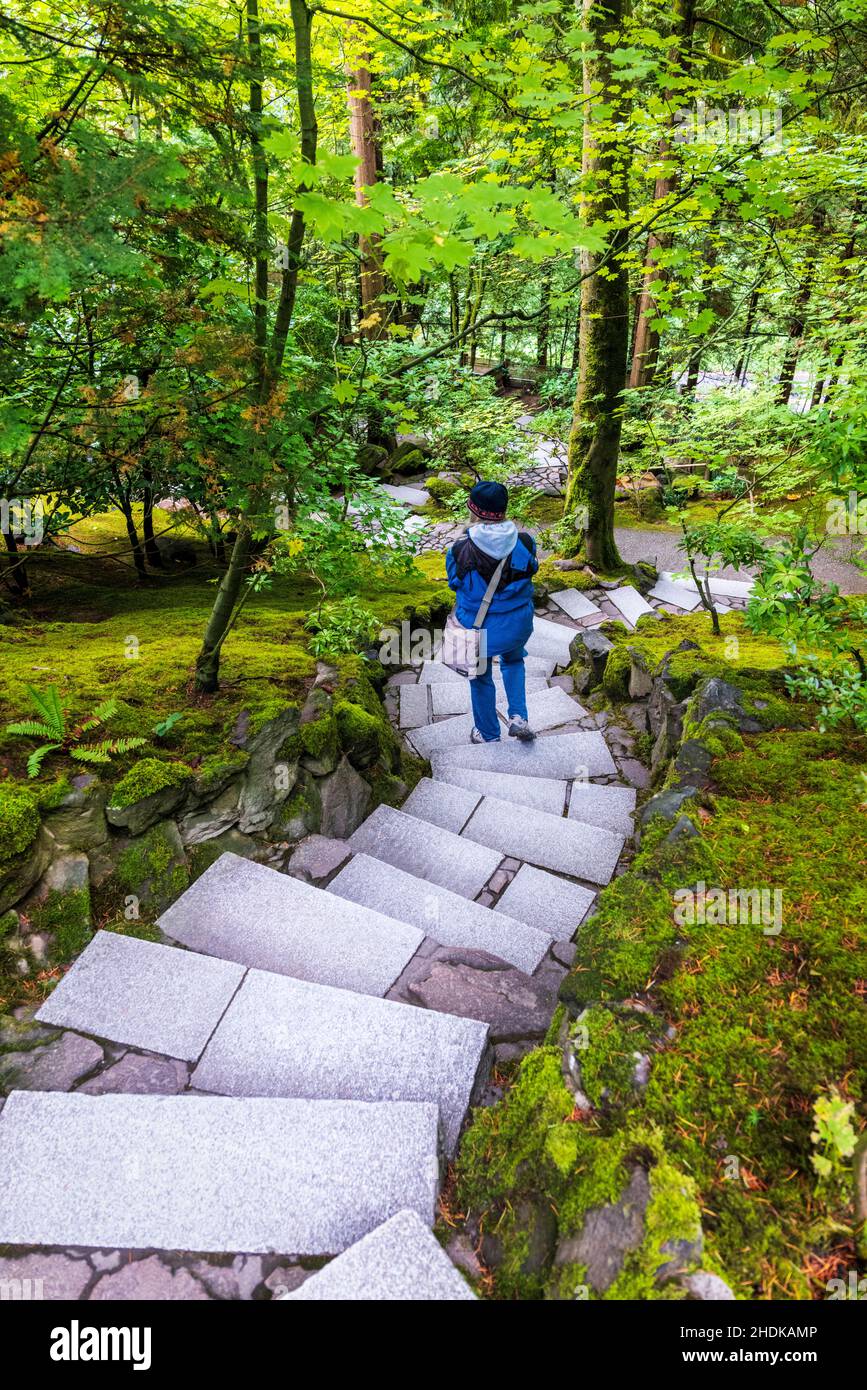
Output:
(19, 873)
(153, 868)
(597, 648)
(640, 679)
(472, 984)
(78, 822)
(59, 909)
(666, 803)
(139, 815)
(608, 1234)
(717, 696)
(706, 1287)
(318, 858)
(57, 1066)
(219, 815)
(271, 772)
(345, 799)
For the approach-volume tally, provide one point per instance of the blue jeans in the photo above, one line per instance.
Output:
(483, 693)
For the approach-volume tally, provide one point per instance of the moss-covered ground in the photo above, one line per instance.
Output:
(763, 1016)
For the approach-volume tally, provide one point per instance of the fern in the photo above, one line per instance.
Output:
(31, 730)
(49, 707)
(88, 755)
(34, 762)
(53, 726)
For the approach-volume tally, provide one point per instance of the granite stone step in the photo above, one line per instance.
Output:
(414, 708)
(441, 803)
(546, 709)
(576, 604)
(537, 665)
(282, 1037)
(211, 1174)
(726, 588)
(408, 496)
(543, 793)
(426, 851)
(400, 1262)
(157, 998)
(449, 698)
(680, 595)
(542, 900)
(630, 603)
(435, 673)
(549, 842)
(609, 807)
(552, 640)
(445, 734)
(561, 756)
(442, 915)
(256, 916)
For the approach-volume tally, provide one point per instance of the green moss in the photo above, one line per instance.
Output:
(362, 735)
(319, 739)
(66, 916)
(607, 1055)
(147, 777)
(672, 1217)
(19, 820)
(151, 869)
(615, 680)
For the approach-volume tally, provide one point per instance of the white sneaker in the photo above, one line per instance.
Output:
(476, 737)
(519, 728)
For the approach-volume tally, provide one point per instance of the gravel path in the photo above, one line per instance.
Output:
(662, 548)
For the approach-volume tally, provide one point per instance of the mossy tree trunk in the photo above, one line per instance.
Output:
(594, 442)
(268, 354)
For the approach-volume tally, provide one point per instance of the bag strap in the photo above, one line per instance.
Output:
(489, 593)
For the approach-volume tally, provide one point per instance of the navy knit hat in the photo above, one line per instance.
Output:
(488, 501)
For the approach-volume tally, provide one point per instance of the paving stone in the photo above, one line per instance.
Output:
(562, 756)
(144, 995)
(409, 496)
(681, 595)
(136, 1074)
(548, 708)
(434, 672)
(543, 793)
(728, 588)
(539, 666)
(630, 603)
(576, 604)
(542, 900)
(414, 710)
(441, 803)
(251, 914)
(442, 915)
(512, 1004)
(283, 1037)
(317, 857)
(426, 851)
(400, 1262)
(450, 697)
(56, 1067)
(40, 1276)
(551, 640)
(149, 1279)
(550, 842)
(610, 807)
(442, 735)
(155, 1172)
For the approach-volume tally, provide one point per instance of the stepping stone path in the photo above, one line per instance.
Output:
(283, 1078)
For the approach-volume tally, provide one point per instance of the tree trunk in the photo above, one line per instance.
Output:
(269, 358)
(797, 323)
(363, 137)
(543, 323)
(152, 550)
(18, 572)
(645, 342)
(741, 368)
(594, 443)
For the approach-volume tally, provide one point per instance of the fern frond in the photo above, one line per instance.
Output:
(118, 745)
(31, 730)
(34, 762)
(47, 704)
(88, 755)
(107, 710)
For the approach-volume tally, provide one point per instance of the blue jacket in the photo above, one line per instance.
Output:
(470, 563)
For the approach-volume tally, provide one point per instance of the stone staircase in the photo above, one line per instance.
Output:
(315, 1049)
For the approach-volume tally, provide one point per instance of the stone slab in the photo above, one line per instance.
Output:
(435, 673)
(546, 709)
(576, 604)
(542, 900)
(409, 496)
(445, 734)
(442, 915)
(609, 807)
(549, 842)
(209, 1173)
(630, 603)
(248, 913)
(399, 1262)
(539, 666)
(449, 698)
(144, 995)
(56, 1067)
(681, 595)
(283, 1037)
(561, 756)
(727, 588)
(551, 640)
(441, 803)
(414, 710)
(426, 851)
(542, 793)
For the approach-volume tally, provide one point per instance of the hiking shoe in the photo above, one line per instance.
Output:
(476, 737)
(519, 728)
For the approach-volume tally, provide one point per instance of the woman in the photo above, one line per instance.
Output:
(470, 564)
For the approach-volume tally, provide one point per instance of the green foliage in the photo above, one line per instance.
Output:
(72, 741)
(19, 820)
(342, 627)
(834, 1137)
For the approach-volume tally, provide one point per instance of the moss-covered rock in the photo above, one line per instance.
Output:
(19, 821)
(152, 790)
(615, 679)
(152, 869)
